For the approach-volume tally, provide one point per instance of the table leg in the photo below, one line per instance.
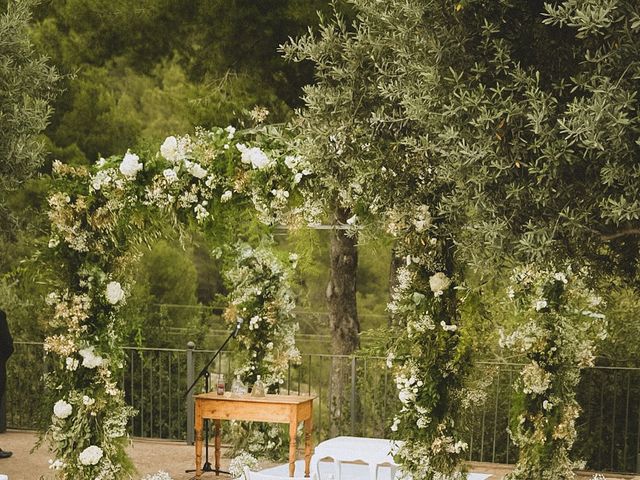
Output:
(293, 427)
(308, 444)
(198, 440)
(217, 446)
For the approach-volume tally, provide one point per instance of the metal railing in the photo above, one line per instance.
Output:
(355, 396)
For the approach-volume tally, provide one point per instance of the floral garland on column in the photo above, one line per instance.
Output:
(430, 358)
(261, 295)
(558, 339)
(96, 214)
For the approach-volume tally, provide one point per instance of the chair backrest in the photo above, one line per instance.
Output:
(249, 475)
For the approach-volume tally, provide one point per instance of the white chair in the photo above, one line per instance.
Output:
(249, 475)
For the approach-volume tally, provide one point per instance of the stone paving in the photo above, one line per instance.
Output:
(149, 456)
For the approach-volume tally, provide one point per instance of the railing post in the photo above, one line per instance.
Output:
(189, 401)
(353, 396)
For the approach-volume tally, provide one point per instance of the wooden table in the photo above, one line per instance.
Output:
(291, 409)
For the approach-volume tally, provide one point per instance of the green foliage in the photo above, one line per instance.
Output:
(27, 86)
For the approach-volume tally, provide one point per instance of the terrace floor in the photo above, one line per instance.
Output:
(149, 456)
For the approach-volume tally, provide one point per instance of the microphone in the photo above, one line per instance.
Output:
(238, 326)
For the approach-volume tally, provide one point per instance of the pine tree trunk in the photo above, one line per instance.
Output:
(343, 316)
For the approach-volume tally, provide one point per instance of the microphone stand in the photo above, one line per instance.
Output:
(206, 467)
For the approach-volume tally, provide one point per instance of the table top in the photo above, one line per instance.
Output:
(269, 398)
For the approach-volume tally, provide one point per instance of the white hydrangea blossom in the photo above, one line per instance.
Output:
(62, 409)
(90, 455)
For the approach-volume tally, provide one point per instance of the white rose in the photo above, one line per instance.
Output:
(438, 283)
(90, 455)
(170, 175)
(89, 358)
(226, 196)
(62, 409)
(130, 165)
(87, 400)
(114, 293)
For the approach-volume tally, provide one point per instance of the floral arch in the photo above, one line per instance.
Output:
(97, 214)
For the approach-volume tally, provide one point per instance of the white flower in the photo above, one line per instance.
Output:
(560, 277)
(88, 401)
(201, 212)
(161, 475)
(352, 220)
(280, 194)
(56, 465)
(169, 149)
(254, 156)
(438, 283)
(130, 165)
(90, 455)
(62, 409)
(170, 175)
(396, 423)
(99, 179)
(89, 358)
(594, 300)
(448, 328)
(72, 363)
(291, 161)
(230, 131)
(195, 169)
(226, 196)
(406, 396)
(540, 304)
(297, 178)
(114, 293)
(101, 162)
(237, 464)
(547, 405)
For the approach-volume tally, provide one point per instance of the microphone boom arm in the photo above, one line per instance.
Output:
(206, 367)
